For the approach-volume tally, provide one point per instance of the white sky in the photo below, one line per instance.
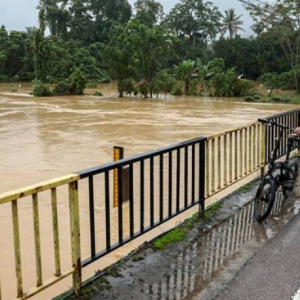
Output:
(18, 14)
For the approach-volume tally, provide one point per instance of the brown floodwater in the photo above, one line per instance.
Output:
(43, 138)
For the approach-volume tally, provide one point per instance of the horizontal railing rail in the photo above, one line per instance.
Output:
(151, 189)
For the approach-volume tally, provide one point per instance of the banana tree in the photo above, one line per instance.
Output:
(186, 71)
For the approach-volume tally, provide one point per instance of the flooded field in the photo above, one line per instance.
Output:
(43, 138)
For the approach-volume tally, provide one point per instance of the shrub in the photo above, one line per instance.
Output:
(41, 90)
(75, 85)
(92, 84)
(78, 81)
(270, 80)
(129, 87)
(286, 81)
(98, 94)
(249, 99)
(164, 83)
(177, 91)
(242, 87)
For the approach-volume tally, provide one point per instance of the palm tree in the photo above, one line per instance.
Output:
(231, 23)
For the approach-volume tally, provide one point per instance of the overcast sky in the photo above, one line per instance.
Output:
(18, 14)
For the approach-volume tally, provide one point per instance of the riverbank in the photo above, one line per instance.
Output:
(202, 263)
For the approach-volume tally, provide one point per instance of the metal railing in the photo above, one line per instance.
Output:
(176, 172)
(159, 185)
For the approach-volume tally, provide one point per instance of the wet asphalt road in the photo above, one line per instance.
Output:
(273, 273)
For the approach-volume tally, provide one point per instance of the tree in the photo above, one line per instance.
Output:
(152, 50)
(57, 16)
(149, 12)
(40, 48)
(118, 58)
(4, 48)
(231, 23)
(281, 18)
(196, 19)
(186, 71)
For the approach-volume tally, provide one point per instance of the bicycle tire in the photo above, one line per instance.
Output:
(270, 184)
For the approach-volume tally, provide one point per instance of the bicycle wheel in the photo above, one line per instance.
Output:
(264, 199)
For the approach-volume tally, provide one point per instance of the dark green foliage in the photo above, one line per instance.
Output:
(75, 85)
(242, 87)
(177, 91)
(41, 90)
(164, 83)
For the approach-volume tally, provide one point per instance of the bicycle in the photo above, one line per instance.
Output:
(280, 175)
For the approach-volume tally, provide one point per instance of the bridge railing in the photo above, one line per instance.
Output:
(152, 189)
(233, 155)
(13, 198)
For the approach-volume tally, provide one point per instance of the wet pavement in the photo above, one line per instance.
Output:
(201, 266)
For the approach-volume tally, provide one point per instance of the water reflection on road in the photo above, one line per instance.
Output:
(215, 251)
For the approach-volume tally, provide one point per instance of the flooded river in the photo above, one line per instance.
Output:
(43, 138)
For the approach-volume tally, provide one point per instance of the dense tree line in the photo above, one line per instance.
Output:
(140, 47)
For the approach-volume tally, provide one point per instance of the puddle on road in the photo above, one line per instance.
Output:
(202, 262)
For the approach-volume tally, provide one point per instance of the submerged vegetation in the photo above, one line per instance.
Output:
(195, 49)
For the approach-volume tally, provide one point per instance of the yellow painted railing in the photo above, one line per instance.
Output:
(33, 191)
(233, 155)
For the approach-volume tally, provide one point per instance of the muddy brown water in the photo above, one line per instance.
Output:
(43, 138)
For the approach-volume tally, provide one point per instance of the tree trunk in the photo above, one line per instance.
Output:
(296, 82)
(187, 87)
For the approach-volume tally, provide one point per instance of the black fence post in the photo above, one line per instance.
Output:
(202, 178)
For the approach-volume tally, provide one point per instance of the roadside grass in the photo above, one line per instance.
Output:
(179, 234)
(245, 188)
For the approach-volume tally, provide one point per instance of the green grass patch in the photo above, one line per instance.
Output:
(245, 188)
(174, 236)
(212, 210)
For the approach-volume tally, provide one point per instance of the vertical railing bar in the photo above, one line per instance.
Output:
(193, 174)
(17, 248)
(161, 187)
(207, 162)
(151, 191)
(107, 211)
(250, 149)
(170, 183)
(92, 216)
(219, 163)
(236, 164)
(213, 169)
(230, 157)
(75, 237)
(246, 152)
(269, 148)
(142, 195)
(186, 176)
(202, 176)
(37, 241)
(254, 147)
(120, 205)
(178, 182)
(225, 181)
(55, 232)
(241, 135)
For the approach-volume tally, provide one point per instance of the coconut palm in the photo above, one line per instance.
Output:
(231, 23)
